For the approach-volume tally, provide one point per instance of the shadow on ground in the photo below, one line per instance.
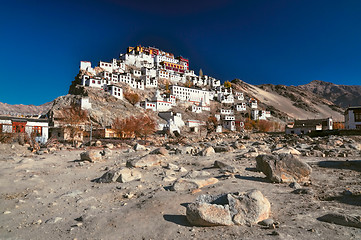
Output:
(177, 219)
(350, 165)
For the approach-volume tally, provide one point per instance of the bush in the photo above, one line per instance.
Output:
(133, 98)
(134, 126)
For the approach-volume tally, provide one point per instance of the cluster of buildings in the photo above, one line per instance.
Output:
(145, 67)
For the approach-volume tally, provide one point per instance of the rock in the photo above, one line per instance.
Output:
(146, 161)
(205, 214)
(283, 168)
(183, 170)
(54, 220)
(303, 191)
(188, 184)
(342, 219)
(227, 209)
(139, 147)
(172, 166)
(98, 143)
(109, 145)
(197, 174)
(295, 185)
(161, 151)
(169, 179)
(121, 175)
(268, 223)
(209, 151)
(91, 156)
(225, 167)
(107, 152)
(251, 207)
(219, 149)
(287, 150)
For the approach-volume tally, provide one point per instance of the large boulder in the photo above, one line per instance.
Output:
(149, 160)
(285, 168)
(342, 219)
(245, 208)
(91, 156)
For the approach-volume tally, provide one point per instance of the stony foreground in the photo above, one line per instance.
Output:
(60, 196)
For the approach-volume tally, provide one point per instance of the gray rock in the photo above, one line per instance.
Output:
(139, 147)
(98, 143)
(91, 156)
(227, 209)
(225, 167)
(121, 175)
(161, 151)
(209, 151)
(219, 149)
(283, 168)
(149, 160)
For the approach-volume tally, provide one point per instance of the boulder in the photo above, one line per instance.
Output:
(91, 156)
(149, 160)
(225, 167)
(283, 168)
(209, 151)
(121, 175)
(246, 208)
(206, 214)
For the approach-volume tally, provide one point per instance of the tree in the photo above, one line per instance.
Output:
(73, 119)
(133, 98)
(134, 126)
(264, 125)
(211, 124)
(227, 84)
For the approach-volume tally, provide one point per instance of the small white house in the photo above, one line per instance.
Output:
(309, 125)
(353, 117)
(241, 107)
(115, 91)
(39, 127)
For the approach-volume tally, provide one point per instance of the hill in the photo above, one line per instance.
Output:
(341, 95)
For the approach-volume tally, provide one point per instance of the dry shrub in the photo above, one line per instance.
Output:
(264, 126)
(133, 98)
(134, 126)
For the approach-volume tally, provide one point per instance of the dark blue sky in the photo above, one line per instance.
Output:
(287, 42)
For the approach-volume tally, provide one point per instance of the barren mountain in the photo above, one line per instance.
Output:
(8, 109)
(289, 102)
(341, 95)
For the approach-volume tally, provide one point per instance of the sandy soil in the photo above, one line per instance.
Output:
(51, 196)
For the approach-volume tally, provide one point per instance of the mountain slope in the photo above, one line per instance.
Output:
(341, 95)
(289, 102)
(20, 109)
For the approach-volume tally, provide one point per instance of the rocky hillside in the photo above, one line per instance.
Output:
(105, 108)
(341, 95)
(289, 102)
(20, 109)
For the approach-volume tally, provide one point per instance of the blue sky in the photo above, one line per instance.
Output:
(289, 42)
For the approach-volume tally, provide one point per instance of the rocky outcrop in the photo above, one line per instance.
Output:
(245, 208)
(283, 168)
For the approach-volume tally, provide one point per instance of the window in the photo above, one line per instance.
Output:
(357, 116)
